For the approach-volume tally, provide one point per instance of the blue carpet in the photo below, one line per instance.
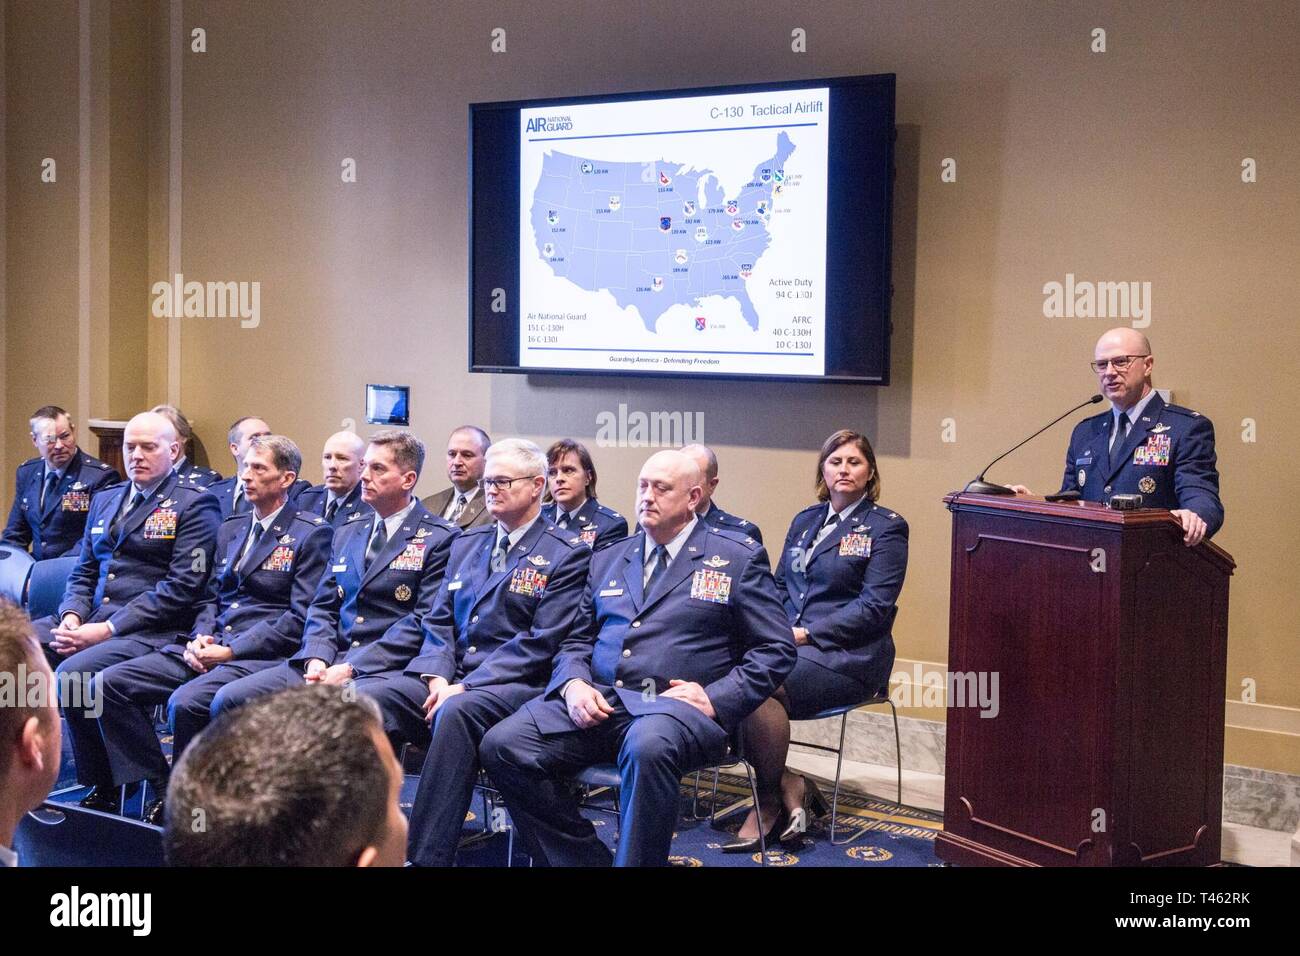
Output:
(883, 833)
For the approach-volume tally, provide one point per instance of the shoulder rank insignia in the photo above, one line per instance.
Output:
(1162, 427)
(717, 561)
(103, 464)
(537, 560)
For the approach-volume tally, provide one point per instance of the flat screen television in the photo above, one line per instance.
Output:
(738, 232)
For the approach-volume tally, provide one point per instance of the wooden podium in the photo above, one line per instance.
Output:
(1109, 638)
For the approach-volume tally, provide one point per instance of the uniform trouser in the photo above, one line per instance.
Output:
(449, 774)
(132, 687)
(401, 701)
(82, 699)
(268, 681)
(653, 751)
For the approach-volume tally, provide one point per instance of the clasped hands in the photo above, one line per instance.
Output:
(588, 706)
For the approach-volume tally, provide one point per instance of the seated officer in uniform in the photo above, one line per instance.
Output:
(139, 581)
(230, 491)
(1142, 445)
(380, 581)
(510, 594)
(339, 497)
(52, 493)
(188, 471)
(269, 563)
(571, 476)
(679, 637)
(461, 504)
(839, 577)
(708, 511)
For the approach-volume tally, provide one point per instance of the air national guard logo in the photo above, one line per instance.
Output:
(528, 582)
(552, 216)
(701, 323)
(766, 176)
(680, 257)
(548, 250)
(711, 586)
(746, 270)
(657, 283)
(732, 207)
(161, 525)
(402, 593)
(663, 178)
(854, 545)
(586, 167)
(688, 208)
(1146, 484)
(665, 223)
(615, 203)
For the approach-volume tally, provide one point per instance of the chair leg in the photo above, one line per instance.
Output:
(758, 813)
(898, 753)
(835, 794)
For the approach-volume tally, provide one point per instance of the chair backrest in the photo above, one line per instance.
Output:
(49, 579)
(58, 834)
(15, 566)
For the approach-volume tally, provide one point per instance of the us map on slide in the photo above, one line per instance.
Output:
(675, 235)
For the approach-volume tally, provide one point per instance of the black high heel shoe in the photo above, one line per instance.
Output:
(753, 844)
(814, 804)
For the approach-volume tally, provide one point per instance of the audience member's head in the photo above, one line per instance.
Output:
(181, 424)
(241, 433)
(30, 734)
(341, 462)
(466, 448)
(149, 446)
(303, 777)
(704, 457)
(54, 435)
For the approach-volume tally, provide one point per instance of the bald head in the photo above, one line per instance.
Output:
(707, 462)
(149, 446)
(668, 492)
(341, 462)
(1127, 385)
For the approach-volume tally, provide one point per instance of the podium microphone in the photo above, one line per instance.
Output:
(981, 487)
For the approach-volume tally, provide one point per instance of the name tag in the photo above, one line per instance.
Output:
(411, 559)
(455, 585)
(711, 586)
(161, 525)
(528, 581)
(97, 530)
(611, 592)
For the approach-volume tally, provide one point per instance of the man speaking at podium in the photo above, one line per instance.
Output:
(1143, 445)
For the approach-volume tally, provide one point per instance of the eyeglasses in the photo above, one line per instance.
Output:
(1120, 362)
(500, 484)
(62, 438)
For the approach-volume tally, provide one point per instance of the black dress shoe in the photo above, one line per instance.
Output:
(814, 805)
(153, 814)
(753, 844)
(103, 799)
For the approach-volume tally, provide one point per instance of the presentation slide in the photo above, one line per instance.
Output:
(684, 234)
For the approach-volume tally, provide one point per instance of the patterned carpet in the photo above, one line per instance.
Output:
(878, 832)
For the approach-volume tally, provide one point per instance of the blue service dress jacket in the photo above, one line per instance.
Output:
(371, 617)
(258, 606)
(595, 524)
(55, 529)
(1167, 457)
(712, 618)
(844, 592)
(501, 628)
(146, 575)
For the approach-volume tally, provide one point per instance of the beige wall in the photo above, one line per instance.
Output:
(1116, 166)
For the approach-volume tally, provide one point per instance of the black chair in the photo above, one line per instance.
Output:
(48, 582)
(490, 795)
(60, 834)
(842, 713)
(15, 569)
